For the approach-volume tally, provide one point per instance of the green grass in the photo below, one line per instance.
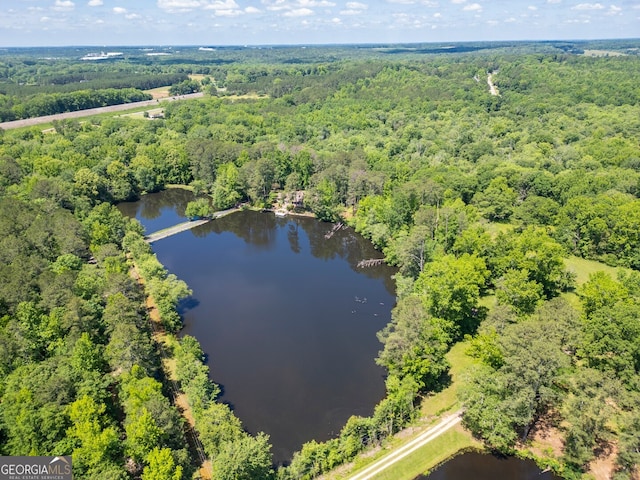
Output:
(447, 399)
(431, 455)
(583, 268)
(494, 228)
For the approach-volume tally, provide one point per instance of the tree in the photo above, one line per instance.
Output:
(161, 466)
(600, 291)
(611, 340)
(97, 443)
(199, 208)
(412, 250)
(503, 404)
(497, 201)
(324, 201)
(629, 448)
(248, 458)
(225, 191)
(515, 289)
(487, 410)
(185, 87)
(88, 183)
(143, 435)
(450, 287)
(536, 253)
(415, 344)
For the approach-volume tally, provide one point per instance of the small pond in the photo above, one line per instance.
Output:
(478, 466)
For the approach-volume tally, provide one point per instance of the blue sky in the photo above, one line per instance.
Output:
(259, 22)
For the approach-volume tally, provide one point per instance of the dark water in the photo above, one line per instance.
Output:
(478, 466)
(286, 318)
(159, 210)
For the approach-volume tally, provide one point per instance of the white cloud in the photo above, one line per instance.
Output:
(299, 12)
(132, 16)
(533, 8)
(45, 19)
(336, 20)
(588, 6)
(64, 5)
(354, 8)
(276, 5)
(222, 5)
(510, 20)
(315, 3)
(553, 1)
(614, 10)
(251, 10)
(474, 7)
(228, 13)
(458, 1)
(95, 3)
(119, 10)
(180, 5)
(437, 15)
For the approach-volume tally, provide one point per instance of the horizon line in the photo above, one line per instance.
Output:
(319, 44)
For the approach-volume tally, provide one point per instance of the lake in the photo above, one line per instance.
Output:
(286, 318)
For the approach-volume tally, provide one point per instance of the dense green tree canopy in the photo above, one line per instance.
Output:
(477, 199)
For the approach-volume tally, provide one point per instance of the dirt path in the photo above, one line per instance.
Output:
(179, 398)
(385, 462)
(492, 88)
(29, 122)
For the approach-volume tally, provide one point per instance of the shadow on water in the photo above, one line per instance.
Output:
(479, 466)
(187, 304)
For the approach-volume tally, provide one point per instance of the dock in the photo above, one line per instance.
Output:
(184, 226)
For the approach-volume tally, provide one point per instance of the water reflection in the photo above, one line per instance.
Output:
(159, 210)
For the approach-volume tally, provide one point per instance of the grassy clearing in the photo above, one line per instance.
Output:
(494, 228)
(431, 455)
(447, 399)
(160, 92)
(603, 53)
(583, 268)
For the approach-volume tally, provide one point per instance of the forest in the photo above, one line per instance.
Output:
(480, 201)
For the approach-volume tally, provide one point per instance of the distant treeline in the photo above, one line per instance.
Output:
(71, 82)
(41, 104)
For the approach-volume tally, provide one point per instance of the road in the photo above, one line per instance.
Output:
(425, 437)
(29, 122)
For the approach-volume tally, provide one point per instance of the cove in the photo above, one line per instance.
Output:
(479, 466)
(286, 318)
